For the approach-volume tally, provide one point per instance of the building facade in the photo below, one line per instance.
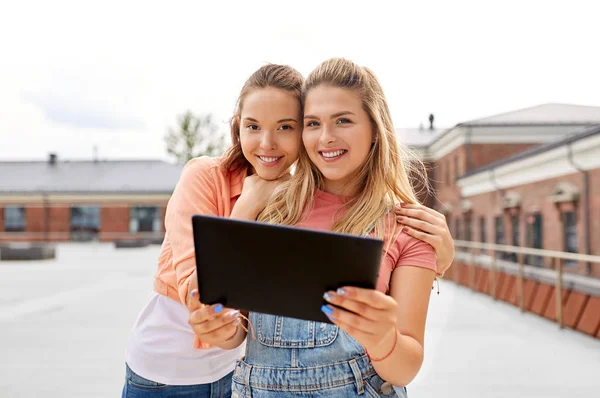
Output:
(84, 200)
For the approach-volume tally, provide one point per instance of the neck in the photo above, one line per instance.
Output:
(340, 188)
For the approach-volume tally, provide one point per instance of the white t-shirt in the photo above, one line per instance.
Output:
(161, 347)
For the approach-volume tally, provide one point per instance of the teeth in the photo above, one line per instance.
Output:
(268, 159)
(332, 154)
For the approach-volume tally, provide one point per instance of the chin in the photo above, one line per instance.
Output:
(269, 175)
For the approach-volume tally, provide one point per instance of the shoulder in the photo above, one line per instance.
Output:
(202, 165)
(405, 249)
(203, 168)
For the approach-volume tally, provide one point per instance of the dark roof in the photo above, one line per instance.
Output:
(537, 150)
(89, 177)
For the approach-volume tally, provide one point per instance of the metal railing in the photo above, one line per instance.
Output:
(557, 260)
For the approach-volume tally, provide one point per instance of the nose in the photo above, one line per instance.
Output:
(268, 141)
(326, 136)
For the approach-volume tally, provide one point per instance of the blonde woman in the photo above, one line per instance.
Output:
(351, 175)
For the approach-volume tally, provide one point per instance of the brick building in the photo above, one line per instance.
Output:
(84, 200)
(531, 178)
(519, 177)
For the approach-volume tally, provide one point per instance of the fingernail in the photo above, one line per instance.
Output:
(218, 308)
(331, 318)
(234, 314)
(236, 322)
(341, 292)
(401, 218)
(327, 296)
(193, 293)
(327, 310)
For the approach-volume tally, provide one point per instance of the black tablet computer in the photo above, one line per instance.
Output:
(278, 270)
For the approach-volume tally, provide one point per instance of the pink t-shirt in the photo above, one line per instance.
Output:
(403, 251)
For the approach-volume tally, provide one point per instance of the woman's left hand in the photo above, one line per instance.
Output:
(367, 315)
(428, 225)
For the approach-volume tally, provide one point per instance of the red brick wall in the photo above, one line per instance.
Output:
(595, 212)
(484, 154)
(35, 219)
(60, 219)
(535, 197)
(114, 219)
(460, 161)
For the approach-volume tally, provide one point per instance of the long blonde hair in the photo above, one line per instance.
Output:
(383, 180)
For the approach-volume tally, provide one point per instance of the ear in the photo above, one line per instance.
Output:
(374, 134)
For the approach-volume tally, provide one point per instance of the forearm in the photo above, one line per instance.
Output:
(404, 362)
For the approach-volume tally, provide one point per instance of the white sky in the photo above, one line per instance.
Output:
(74, 74)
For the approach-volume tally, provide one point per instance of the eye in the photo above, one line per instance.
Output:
(285, 127)
(343, 120)
(252, 127)
(312, 123)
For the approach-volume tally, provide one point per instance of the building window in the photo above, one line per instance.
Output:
(144, 219)
(14, 219)
(457, 229)
(516, 236)
(534, 238)
(456, 172)
(570, 235)
(499, 221)
(85, 222)
(468, 233)
(482, 230)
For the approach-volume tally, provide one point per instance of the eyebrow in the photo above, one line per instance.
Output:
(343, 113)
(279, 121)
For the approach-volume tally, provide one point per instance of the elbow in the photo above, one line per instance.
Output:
(411, 365)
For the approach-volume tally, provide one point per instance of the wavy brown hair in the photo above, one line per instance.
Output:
(383, 179)
(282, 77)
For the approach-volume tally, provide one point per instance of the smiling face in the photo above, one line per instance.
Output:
(338, 135)
(270, 131)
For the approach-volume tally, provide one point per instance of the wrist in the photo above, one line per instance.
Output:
(385, 347)
(246, 208)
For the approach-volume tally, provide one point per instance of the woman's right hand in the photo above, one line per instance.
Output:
(256, 193)
(213, 324)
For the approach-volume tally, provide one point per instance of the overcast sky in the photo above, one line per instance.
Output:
(74, 74)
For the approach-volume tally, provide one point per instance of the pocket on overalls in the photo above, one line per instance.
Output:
(377, 387)
(239, 390)
(278, 331)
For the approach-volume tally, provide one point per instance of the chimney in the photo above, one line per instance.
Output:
(52, 159)
(431, 119)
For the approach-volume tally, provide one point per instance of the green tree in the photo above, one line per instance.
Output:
(195, 136)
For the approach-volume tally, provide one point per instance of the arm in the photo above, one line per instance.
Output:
(391, 327)
(195, 193)
(410, 289)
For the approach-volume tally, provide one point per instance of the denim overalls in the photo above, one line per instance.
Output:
(295, 358)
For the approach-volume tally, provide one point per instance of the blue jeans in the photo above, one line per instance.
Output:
(291, 358)
(138, 387)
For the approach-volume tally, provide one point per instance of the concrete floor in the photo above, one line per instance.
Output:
(64, 325)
